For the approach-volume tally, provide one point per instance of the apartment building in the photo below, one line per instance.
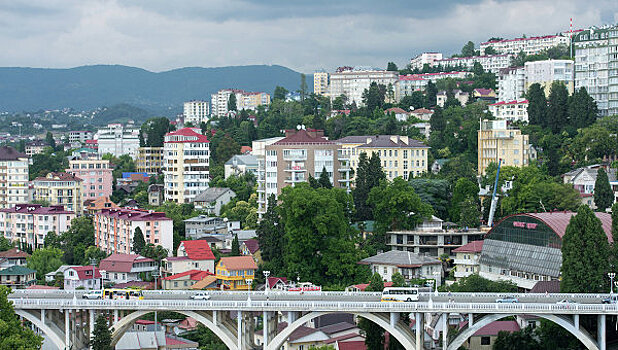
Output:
(96, 175)
(35, 147)
(320, 83)
(546, 72)
(79, 136)
(511, 111)
(530, 46)
(421, 60)
(400, 155)
(459, 95)
(28, 224)
(118, 139)
(352, 82)
(407, 84)
(497, 140)
(13, 177)
(186, 157)
(492, 63)
(302, 153)
(244, 100)
(149, 160)
(196, 112)
(511, 83)
(596, 66)
(60, 189)
(259, 151)
(114, 229)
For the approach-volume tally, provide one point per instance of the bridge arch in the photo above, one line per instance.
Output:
(36, 321)
(403, 335)
(219, 330)
(580, 333)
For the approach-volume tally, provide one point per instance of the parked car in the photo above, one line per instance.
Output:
(612, 299)
(507, 300)
(566, 302)
(200, 296)
(93, 294)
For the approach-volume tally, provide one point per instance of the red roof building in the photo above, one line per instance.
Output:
(82, 277)
(186, 135)
(472, 247)
(184, 280)
(123, 268)
(191, 255)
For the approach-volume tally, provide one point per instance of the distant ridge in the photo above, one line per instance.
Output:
(88, 87)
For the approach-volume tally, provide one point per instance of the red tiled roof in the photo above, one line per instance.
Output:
(483, 92)
(472, 247)
(36, 209)
(233, 263)
(188, 132)
(121, 262)
(302, 137)
(198, 250)
(396, 110)
(245, 149)
(37, 286)
(509, 103)
(498, 326)
(133, 214)
(14, 253)
(10, 153)
(253, 245)
(57, 176)
(364, 286)
(81, 272)
(422, 111)
(195, 275)
(351, 345)
(272, 281)
(173, 341)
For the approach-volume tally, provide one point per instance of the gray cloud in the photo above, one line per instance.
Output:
(303, 35)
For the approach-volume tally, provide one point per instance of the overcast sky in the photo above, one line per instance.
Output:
(160, 35)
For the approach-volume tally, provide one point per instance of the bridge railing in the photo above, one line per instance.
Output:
(521, 295)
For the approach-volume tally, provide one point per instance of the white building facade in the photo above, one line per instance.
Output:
(352, 82)
(546, 72)
(511, 83)
(118, 140)
(492, 63)
(196, 112)
(29, 224)
(531, 46)
(421, 60)
(14, 175)
(516, 110)
(244, 100)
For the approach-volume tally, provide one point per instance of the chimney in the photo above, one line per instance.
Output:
(290, 132)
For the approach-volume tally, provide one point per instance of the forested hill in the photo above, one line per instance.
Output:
(88, 87)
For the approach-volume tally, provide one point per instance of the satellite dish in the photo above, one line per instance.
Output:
(298, 127)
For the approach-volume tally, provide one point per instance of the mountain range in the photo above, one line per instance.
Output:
(89, 87)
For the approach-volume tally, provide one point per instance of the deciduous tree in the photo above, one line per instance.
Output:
(45, 260)
(13, 334)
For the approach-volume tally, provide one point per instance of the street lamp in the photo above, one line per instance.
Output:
(155, 274)
(249, 282)
(611, 276)
(93, 261)
(266, 274)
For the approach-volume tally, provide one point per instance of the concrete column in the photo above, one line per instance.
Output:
(601, 334)
(67, 330)
(239, 327)
(43, 316)
(265, 329)
(214, 317)
(470, 320)
(92, 322)
(292, 316)
(444, 330)
(116, 317)
(418, 324)
(576, 321)
(394, 318)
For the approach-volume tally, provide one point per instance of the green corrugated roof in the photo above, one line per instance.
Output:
(367, 224)
(16, 270)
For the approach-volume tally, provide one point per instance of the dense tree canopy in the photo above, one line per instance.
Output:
(13, 334)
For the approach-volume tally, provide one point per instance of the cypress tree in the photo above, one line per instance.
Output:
(583, 109)
(557, 110)
(235, 247)
(102, 335)
(270, 235)
(374, 335)
(603, 194)
(324, 179)
(431, 94)
(369, 173)
(585, 254)
(138, 241)
(537, 105)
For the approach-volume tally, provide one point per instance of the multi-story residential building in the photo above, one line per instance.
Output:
(190, 255)
(400, 155)
(244, 100)
(584, 180)
(409, 265)
(546, 72)
(426, 58)
(114, 229)
(149, 160)
(117, 140)
(320, 83)
(596, 66)
(187, 279)
(60, 189)
(196, 112)
(259, 151)
(431, 238)
(156, 194)
(498, 141)
(17, 277)
(28, 224)
(510, 110)
(407, 84)
(240, 164)
(235, 272)
(203, 225)
(492, 63)
(13, 257)
(530, 46)
(13, 177)
(212, 199)
(35, 147)
(511, 83)
(352, 82)
(467, 259)
(302, 153)
(96, 175)
(82, 277)
(123, 268)
(459, 95)
(79, 136)
(186, 157)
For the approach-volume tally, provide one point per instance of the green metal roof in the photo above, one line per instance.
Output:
(16, 270)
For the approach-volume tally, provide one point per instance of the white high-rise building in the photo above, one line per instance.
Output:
(492, 63)
(196, 112)
(421, 60)
(596, 66)
(259, 151)
(14, 175)
(546, 72)
(352, 82)
(118, 140)
(244, 100)
(531, 46)
(511, 83)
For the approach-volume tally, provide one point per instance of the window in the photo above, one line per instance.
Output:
(485, 341)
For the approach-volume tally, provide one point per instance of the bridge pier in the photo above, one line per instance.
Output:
(395, 316)
(444, 330)
(470, 320)
(420, 330)
(601, 333)
(67, 332)
(576, 321)
(239, 328)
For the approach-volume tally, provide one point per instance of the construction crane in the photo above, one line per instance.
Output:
(494, 198)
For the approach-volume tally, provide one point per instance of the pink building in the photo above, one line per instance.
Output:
(29, 223)
(114, 229)
(96, 175)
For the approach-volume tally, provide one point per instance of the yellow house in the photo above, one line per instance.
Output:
(149, 160)
(234, 272)
(60, 189)
(400, 155)
(497, 140)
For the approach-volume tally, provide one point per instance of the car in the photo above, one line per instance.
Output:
(507, 300)
(613, 299)
(566, 302)
(93, 294)
(200, 296)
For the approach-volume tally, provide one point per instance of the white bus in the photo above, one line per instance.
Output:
(407, 294)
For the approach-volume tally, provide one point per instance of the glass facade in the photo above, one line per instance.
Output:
(525, 230)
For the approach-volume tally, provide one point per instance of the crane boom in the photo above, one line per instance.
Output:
(494, 198)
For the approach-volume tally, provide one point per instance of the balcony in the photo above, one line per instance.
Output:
(294, 155)
(342, 155)
(295, 179)
(296, 168)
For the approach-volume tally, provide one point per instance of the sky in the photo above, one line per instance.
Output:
(160, 35)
